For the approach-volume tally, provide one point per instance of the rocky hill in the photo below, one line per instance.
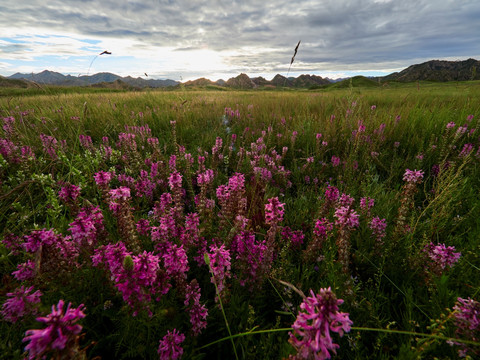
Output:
(434, 70)
(13, 83)
(242, 81)
(199, 82)
(309, 80)
(55, 78)
(438, 70)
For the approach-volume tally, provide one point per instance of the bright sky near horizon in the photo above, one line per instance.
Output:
(182, 40)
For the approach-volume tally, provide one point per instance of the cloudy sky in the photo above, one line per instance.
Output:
(188, 39)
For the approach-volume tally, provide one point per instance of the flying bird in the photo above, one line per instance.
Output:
(146, 74)
(102, 53)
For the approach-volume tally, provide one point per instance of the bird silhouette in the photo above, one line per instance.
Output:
(105, 52)
(146, 74)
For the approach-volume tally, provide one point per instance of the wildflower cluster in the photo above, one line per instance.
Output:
(311, 336)
(21, 303)
(220, 266)
(169, 347)
(161, 232)
(61, 335)
(412, 178)
(466, 317)
(440, 257)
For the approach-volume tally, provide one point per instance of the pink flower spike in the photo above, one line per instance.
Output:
(122, 192)
(274, 211)
(346, 217)
(169, 347)
(20, 304)
(311, 330)
(60, 335)
(413, 176)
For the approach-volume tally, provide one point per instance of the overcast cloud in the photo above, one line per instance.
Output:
(191, 39)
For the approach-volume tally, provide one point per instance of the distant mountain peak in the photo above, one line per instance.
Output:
(55, 78)
(438, 70)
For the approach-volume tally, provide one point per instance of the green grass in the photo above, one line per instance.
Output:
(399, 308)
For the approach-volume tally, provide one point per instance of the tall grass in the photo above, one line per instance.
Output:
(293, 146)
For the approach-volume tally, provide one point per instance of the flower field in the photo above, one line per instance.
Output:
(202, 224)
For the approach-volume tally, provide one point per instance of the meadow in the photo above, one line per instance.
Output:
(203, 224)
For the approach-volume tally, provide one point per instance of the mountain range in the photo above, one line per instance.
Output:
(55, 78)
(433, 70)
(438, 70)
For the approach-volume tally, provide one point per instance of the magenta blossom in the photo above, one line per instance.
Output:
(122, 192)
(219, 265)
(69, 193)
(467, 320)
(346, 217)
(274, 211)
(311, 335)
(175, 180)
(103, 178)
(20, 304)
(378, 227)
(413, 176)
(198, 312)
(442, 256)
(169, 347)
(335, 161)
(26, 270)
(59, 336)
(332, 193)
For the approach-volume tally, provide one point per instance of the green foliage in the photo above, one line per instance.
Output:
(376, 132)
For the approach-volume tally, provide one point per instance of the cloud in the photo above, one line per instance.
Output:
(228, 36)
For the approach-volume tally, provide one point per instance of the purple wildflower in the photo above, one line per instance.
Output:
(69, 193)
(205, 178)
(198, 312)
(25, 271)
(87, 225)
(39, 238)
(467, 149)
(219, 266)
(122, 193)
(295, 237)
(346, 217)
(335, 161)
(103, 178)
(20, 304)
(467, 319)
(366, 204)
(60, 336)
(331, 193)
(251, 262)
(50, 145)
(441, 256)
(169, 347)
(13, 243)
(311, 330)
(413, 176)
(346, 200)
(176, 261)
(451, 125)
(86, 141)
(8, 150)
(274, 211)
(143, 227)
(378, 227)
